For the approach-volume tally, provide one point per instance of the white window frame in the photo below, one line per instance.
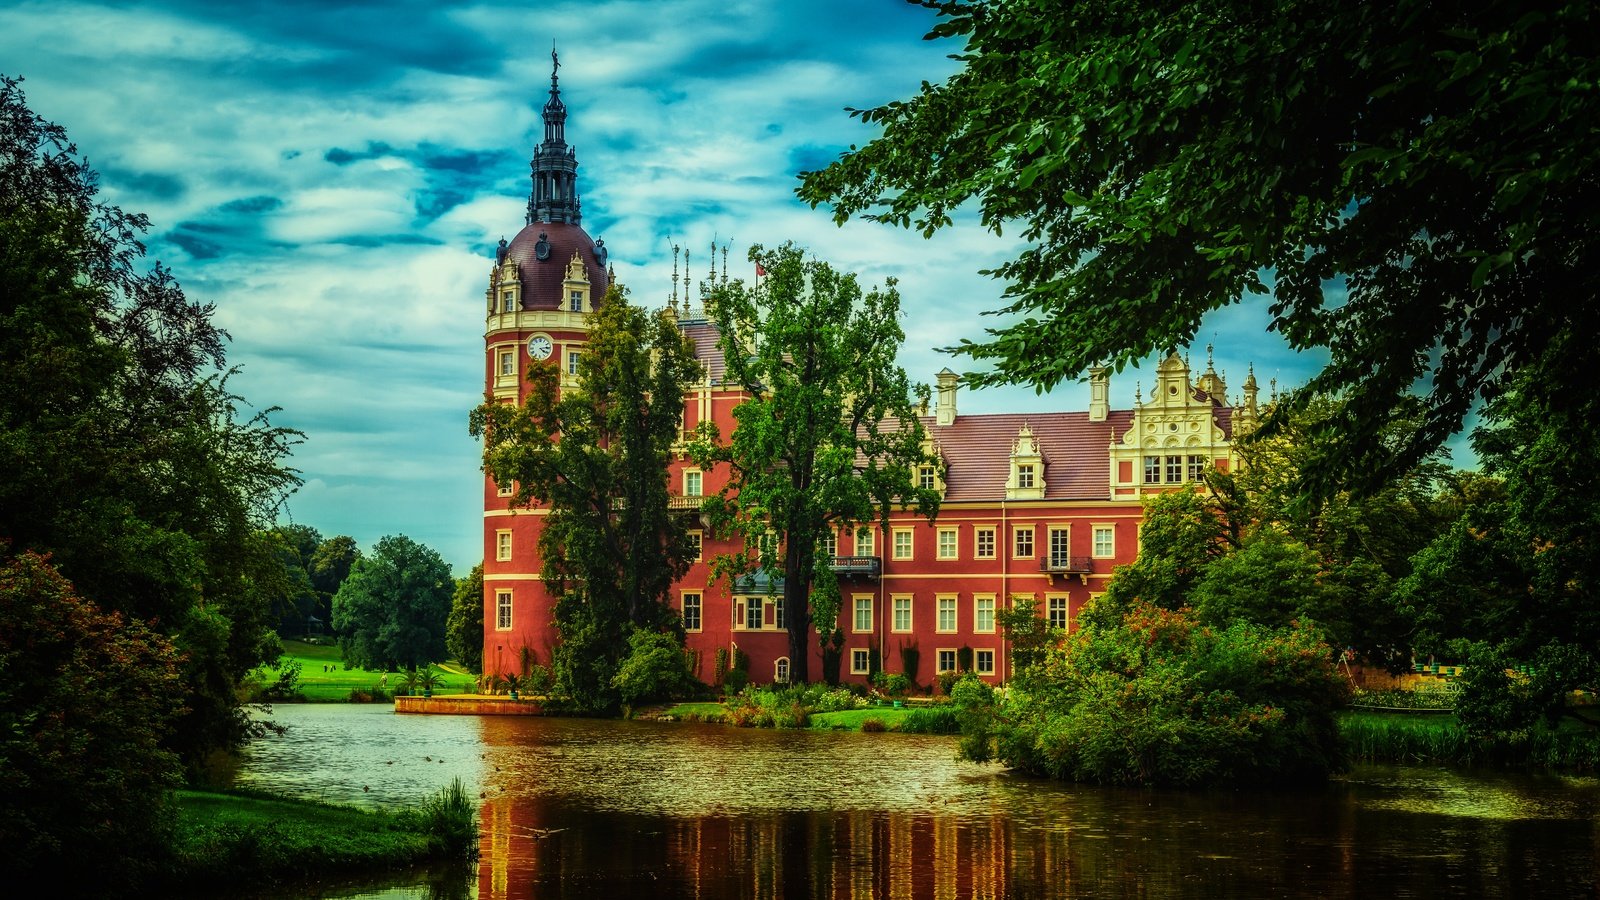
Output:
(1152, 470)
(502, 545)
(575, 301)
(983, 605)
(1017, 534)
(944, 604)
(781, 670)
(860, 661)
(901, 603)
(1050, 609)
(909, 544)
(1108, 548)
(866, 542)
(508, 363)
(698, 539)
(502, 610)
(978, 532)
(861, 603)
(949, 546)
(1025, 475)
(696, 601)
(979, 657)
(1059, 537)
(944, 660)
(572, 362)
(694, 482)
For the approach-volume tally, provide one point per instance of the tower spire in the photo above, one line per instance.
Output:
(554, 197)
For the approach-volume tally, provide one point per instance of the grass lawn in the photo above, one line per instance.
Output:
(323, 676)
(247, 837)
(851, 719)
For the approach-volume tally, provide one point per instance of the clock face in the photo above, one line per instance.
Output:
(539, 347)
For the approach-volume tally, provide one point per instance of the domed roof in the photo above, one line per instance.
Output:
(542, 274)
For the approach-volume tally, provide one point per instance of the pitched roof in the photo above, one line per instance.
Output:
(1077, 461)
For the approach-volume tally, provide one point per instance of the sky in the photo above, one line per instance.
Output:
(333, 177)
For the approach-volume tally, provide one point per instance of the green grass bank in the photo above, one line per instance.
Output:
(249, 838)
(324, 678)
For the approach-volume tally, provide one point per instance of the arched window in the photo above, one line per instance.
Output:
(780, 671)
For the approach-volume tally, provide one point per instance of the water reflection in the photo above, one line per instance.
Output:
(578, 808)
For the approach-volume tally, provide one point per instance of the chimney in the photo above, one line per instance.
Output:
(1099, 393)
(946, 411)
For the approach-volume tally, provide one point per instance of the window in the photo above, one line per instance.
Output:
(1025, 476)
(1105, 541)
(983, 538)
(865, 543)
(863, 616)
(946, 662)
(777, 613)
(572, 361)
(1152, 470)
(983, 662)
(576, 301)
(1024, 542)
(691, 612)
(860, 660)
(780, 670)
(983, 614)
(829, 545)
(753, 613)
(1197, 467)
(504, 490)
(1174, 469)
(507, 301)
(508, 362)
(1060, 544)
(902, 543)
(502, 549)
(947, 543)
(1056, 612)
(927, 478)
(502, 610)
(902, 613)
(693, 482)
(947, 613)
(696, 545)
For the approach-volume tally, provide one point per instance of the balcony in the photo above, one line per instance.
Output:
(684, 504)
(1054, 565)
(863, 566)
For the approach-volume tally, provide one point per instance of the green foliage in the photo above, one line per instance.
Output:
(656, 668)
(595, 455)
(126, 457)
(829, 437)
(931, 720)
(1162, 698)
(87, 698)
(450, 818)
(910, 660)
(1183, 532)
(896, 684)
(391, 611)
(463, 630)
(1163, 163)
(286, 683)
(738, 674)
(719, 666)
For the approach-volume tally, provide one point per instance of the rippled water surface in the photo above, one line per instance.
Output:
(584, 808)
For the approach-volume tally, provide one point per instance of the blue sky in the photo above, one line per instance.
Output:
(333, 177)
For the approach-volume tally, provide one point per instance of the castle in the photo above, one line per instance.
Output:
(1038, 506)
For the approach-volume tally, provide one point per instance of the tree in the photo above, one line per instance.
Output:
(464, 630)
(127, 458)
(829, 436)
(595, 454)
(391, 611)
(1410, 182)
(295, 546)
(330, 566)
(83, 777)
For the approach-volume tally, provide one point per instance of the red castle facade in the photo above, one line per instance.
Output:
(1038, 506)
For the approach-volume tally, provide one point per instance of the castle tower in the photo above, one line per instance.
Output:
(542, 286)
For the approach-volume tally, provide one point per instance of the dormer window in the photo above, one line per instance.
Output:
(508, 301)
(1025, 476)
(576, 301)
(927, 478)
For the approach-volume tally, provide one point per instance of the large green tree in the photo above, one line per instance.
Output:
(829, 436)
(464, 630)
(595, 454)
(1410, 182)
(125, 455)
(391, 612)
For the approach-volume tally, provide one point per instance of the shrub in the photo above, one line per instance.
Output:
(1159, 698)
(896, 684)
(451, 820)
(654, 669)
(719, 666)
(873, 725)
(85, 702)
(931, 720)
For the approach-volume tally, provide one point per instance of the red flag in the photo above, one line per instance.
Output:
(760, 272)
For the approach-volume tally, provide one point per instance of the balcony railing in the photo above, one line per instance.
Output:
(684, 504)
(1066, 565)
(865, 566)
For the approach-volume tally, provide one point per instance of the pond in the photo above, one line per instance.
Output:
(590, 808)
